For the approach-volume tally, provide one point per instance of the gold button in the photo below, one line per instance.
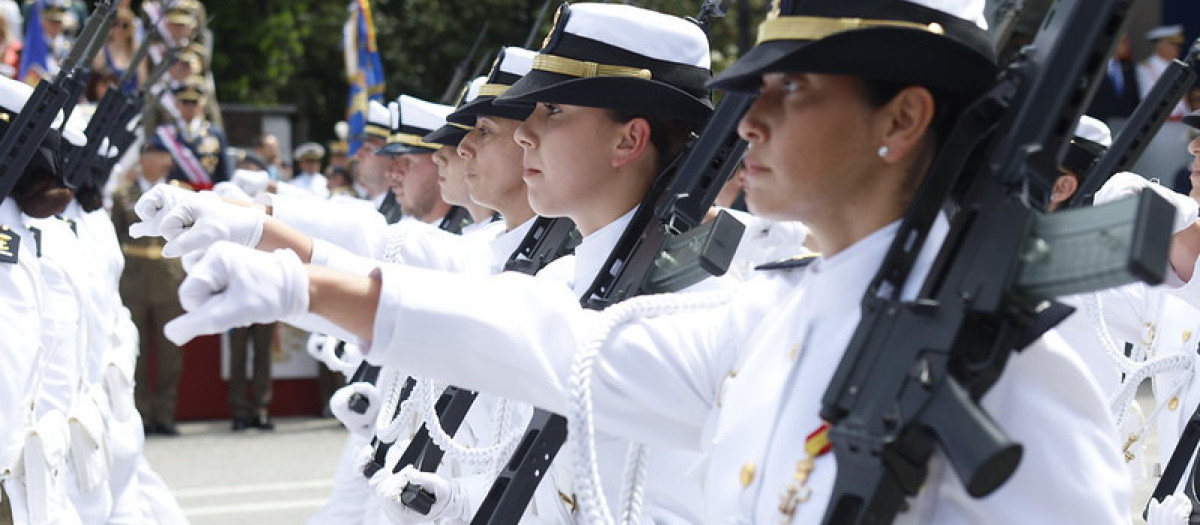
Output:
(794, 351)
(1173, 403)
(747, 474)
(1187, 334)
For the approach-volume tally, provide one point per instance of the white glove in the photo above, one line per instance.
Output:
(196, 224)
(253, 182)
(231, 191)
(361, 424)
(450, 504)
(364, 456)
(154, 205)
(316, 345)
(323, 348)
(1175, 509)
(1125, 184)
(234, 286)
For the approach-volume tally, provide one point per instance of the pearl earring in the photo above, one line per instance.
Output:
(883, 152)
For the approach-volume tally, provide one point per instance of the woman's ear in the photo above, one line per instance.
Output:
(633, 142)
(905, 121)
(1064, 188)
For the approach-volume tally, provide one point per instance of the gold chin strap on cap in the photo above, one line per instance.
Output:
(816, 28)
(492, 90)
(409, 139)
(459, 126)
(580, 68)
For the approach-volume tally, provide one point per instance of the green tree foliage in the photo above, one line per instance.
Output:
(289, 51)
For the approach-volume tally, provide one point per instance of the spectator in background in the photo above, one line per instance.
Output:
(97, 84)
(197, 145)
(1119, 91)
(54, 15)
(14, 20)
(267, 147)
(251, 409)
(1168, 43)
(1193, 99)
(10, 47)
(339, 181)
(148, 288)
(118, 51)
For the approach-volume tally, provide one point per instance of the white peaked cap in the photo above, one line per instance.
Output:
(517, 61)
(421, 114)
(393, 115)
(13, 96)
(1164, 32)
(473, 89)
(1094, 130)
(969, 10)
(76, 125)
(377, 114)
(648, 33)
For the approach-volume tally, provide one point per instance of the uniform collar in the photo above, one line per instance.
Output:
(506, 242)
(594, 250)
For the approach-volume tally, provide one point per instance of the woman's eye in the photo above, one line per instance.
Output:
(552, 109)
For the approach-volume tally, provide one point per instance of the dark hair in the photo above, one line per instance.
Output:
(879, 92)
(667, 135)
(40, 192)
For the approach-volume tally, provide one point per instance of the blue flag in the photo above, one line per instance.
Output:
(35, 56)
(364, 69)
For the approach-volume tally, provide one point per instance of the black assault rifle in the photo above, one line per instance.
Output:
(30, 127)
(914, 371)
(1143, 124)
(86, 169)
(453, 222)
(125, 131)
(547, 240)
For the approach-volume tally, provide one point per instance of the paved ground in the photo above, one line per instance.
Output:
(251, 477)
(282, 477)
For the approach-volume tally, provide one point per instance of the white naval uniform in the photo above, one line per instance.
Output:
(1158, 321)
(56, 389)
(313, 183)
(112, 368)
(352, 224)
(764, 241)
(415, 243)
(662, 381)
(1148, 72)
(20, 320)
(672, 494)
(90, 457)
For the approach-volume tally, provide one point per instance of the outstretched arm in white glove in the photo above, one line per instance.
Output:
(1175, 509)
(234, 286)
(450, 498)
(1185, 241)
(193, 225)
(196, 224)
(154, 205)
